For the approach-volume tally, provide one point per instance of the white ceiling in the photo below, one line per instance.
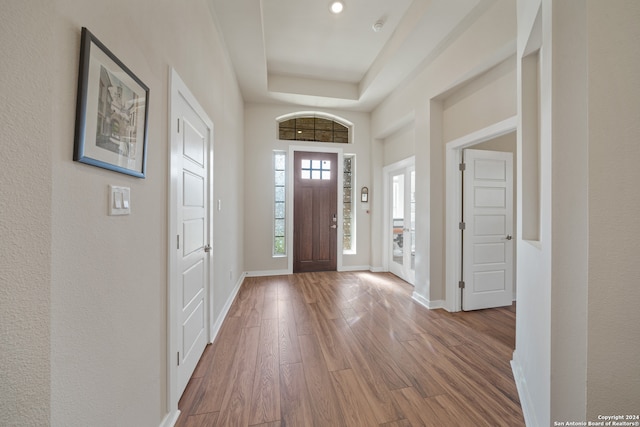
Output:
(297, 51)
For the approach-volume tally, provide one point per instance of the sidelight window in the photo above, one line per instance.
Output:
(279, 204)
(348, 213)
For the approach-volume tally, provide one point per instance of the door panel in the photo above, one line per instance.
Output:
(194, 189)
(193, 227)
(489, 281)
(315, 211)
(192, 280)
(487, 237)
(193, 235)
(192, 330)
(490, 225)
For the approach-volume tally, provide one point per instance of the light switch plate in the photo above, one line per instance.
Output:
(119, 200)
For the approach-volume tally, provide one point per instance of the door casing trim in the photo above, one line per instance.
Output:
(453, 243)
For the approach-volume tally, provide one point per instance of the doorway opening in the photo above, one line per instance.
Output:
(499, 133)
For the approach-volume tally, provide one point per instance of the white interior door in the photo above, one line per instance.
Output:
(402, 223)
(487, 239)
(193, 229)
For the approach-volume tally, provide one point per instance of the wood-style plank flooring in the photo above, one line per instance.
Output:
(352, 349)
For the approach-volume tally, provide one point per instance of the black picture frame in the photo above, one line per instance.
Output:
(112, 112)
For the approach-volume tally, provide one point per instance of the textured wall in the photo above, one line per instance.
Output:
(613, 372)
(25, 207)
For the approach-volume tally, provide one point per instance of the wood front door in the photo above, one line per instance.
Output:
(315, 222)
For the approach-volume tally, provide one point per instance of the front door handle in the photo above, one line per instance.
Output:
(334, 226)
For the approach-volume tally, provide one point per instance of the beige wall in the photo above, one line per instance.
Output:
(487, 99)
(261, 139)
(399, 145)
(25, 212)
(105, 276)
(613, 371)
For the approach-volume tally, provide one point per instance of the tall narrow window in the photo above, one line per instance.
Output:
(348, 213)
(279, 207)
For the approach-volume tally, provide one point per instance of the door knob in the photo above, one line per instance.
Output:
(334, 226)
(509, 237)
(207, 248)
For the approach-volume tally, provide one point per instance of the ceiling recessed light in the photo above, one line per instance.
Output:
(336, 7)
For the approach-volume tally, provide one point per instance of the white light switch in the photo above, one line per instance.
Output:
(119, 200)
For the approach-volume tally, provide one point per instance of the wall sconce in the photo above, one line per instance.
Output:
(364, 195)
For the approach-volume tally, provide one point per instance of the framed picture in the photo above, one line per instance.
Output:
(111, 113)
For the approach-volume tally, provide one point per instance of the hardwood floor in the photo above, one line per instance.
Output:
(352, 349)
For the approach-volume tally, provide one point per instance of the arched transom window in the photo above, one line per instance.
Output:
(313, 128)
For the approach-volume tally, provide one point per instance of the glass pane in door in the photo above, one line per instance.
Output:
(412, 228)
(397, 218)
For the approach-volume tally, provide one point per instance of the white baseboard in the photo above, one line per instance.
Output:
(170, 419)
(523, 393)
(215, 328)
(347, 268)
(266, 273)
(431, 305)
